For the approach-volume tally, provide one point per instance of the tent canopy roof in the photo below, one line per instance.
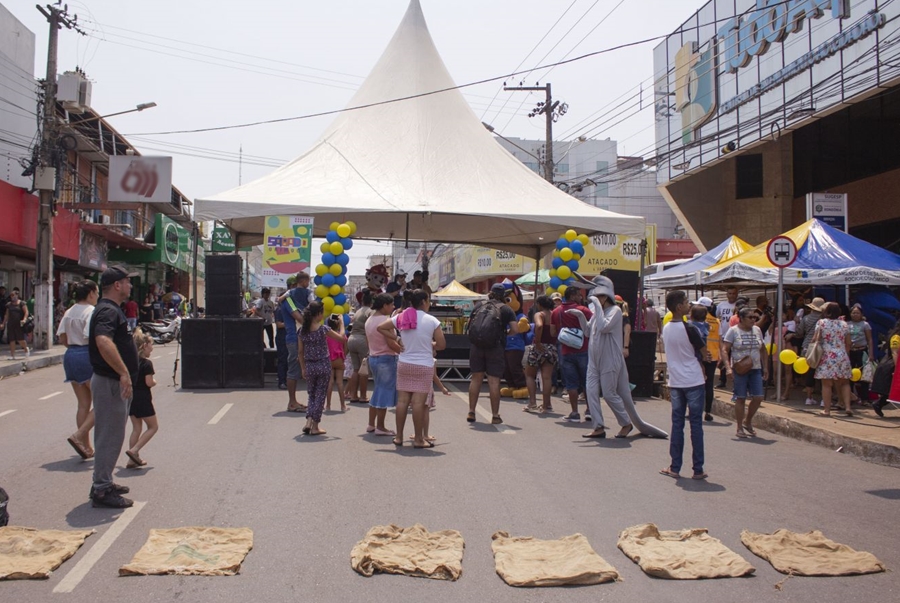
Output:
(420, 169)
(689, 273)
(825, 256)
(455, 289)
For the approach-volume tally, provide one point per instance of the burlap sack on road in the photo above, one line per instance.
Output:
(526, 561)
(681, 554)
(810, 554)
(411, 551)
(28, 554)
(191, 552)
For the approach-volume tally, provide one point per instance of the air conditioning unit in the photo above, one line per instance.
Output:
(73, 90)
(104, 219)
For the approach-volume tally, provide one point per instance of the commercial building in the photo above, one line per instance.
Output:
(761, 104)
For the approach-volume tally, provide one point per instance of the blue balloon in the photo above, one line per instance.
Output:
(340, 299)
(328, 258)
(562, 243)
(555, 282)
(347, 243)
(343, 259)
(557, 262)
(317, 280)
(340, 280)
(328, 279)
(577, 247)
(347, 320)
(573, 265)
(343, 269)
(332, 236)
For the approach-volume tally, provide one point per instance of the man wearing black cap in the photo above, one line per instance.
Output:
(488, 326)
(114, 359)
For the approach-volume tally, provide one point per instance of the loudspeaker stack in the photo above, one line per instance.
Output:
(223, 285)
(641, 362)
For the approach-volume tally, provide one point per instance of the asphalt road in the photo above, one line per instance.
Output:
(309, 500)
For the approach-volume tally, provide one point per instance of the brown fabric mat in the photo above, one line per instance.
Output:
(810, 554)
(681, 554)
(191, 552)
(411, 551)
(27, 553)
(526, 561)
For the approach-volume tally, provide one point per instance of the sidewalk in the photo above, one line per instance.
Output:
(37, 359)
(865, 435)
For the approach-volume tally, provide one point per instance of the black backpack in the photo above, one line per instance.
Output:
(486, 325)
(4, 514)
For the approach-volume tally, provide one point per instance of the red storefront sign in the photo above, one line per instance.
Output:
(18, 224)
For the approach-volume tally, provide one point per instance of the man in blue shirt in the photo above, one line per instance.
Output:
(292, 305)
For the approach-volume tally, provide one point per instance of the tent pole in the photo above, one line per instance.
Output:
(639, 305)
(406, 246)
(537, 267)
(779, 328)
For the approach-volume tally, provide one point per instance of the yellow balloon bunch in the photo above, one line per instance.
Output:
(569, 250)
(331, 274)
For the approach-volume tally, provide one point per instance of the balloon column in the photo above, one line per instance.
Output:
(331, 274)
(569, 249)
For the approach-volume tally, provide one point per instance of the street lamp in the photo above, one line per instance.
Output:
(139, 107)
(490, 129)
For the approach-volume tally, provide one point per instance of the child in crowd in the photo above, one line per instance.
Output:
(142, 411)
(337, 354)
(315, 362)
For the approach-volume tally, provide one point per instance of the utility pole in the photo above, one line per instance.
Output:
(552, 112)
(48, 169)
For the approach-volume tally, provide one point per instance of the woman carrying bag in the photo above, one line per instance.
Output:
(745, 355)
(833, 368)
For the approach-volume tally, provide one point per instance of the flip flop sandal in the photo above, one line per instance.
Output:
(297, 409)
(306, 430)
(470, 417)
(496, 420)
(750, 431)
(699, 476)
(78, 448)
(741, 434)
(600, 435)
(134, 458)
(669, 473)
(427, 445)
(396, 443)
(378, 432)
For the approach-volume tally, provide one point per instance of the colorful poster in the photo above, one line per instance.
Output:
(287, 248)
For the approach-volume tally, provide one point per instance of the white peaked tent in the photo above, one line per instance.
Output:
(423, 169)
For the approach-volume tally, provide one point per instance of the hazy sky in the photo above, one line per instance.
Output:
(227, 62)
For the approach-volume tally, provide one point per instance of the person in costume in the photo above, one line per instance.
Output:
(606, 364)
(514, 375)
(376, 278)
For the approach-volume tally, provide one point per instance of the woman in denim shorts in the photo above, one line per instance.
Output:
(382, 365)
(72, 333)
(744, 340)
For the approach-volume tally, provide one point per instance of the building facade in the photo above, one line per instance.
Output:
(759, 104)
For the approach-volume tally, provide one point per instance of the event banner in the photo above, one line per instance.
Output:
(287, 248)
(610, 251)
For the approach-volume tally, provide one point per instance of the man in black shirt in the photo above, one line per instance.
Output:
(114, 359)
(490, 359)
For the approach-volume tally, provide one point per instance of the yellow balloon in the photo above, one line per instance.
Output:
(552, 272)
(352, 226)
(328, 304)
(556, 253)
(343, 231)
(570, 235)
(550, 291)
(563, 272)
(562, 289)
(855, 375)
(583, 239)
(335, 269)
(576, 256)
(334, 289)
(337, 310)
(788, 357)
(565, 254)
(346, 307)
(772, 348)
(668, 318)
(324, 247)
(321, 270)
(801, 366)
(321, 291)
(334, 225)
(336, 248)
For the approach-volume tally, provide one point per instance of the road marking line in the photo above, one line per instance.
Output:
(77, 574)
(7, 412)
(48, 396)
(170, 353)
(220, 414)
(504, 429)
(157, 357)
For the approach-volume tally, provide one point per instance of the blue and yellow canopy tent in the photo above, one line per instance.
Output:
(690, 273)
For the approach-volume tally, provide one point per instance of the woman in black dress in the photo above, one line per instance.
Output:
(16, 315)
(142, 411)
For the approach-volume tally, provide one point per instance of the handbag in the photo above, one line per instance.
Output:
(571, 337)
(814, 354)
(364, 367)
(743, 366)
(868, 369)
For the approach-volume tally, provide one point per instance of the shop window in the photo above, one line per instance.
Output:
(749, 180)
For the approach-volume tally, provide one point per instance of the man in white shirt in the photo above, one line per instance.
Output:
(686, 383)
(724, 310)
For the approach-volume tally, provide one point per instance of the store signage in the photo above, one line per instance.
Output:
(222, 241)
(695, 87)
(830, 208)
(137, 179)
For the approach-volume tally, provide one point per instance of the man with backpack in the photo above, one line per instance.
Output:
(490, 321)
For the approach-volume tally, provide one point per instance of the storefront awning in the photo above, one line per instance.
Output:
(114, 237)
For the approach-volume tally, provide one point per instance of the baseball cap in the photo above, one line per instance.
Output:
(114, 274)
(555, 295)
(704, 301)
(498, 288)
(291, 280)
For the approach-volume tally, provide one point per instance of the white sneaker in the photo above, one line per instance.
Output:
(822, 404)
(27, 352)
(810, 402)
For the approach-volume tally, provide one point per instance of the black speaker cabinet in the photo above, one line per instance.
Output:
(222, 305)
(226, 265)
(223, 284)
(201, 353)
(457, 348)
(242, 352)
(626, 284)
(641, 362)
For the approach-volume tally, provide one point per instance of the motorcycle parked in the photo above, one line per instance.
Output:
(164, 331)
